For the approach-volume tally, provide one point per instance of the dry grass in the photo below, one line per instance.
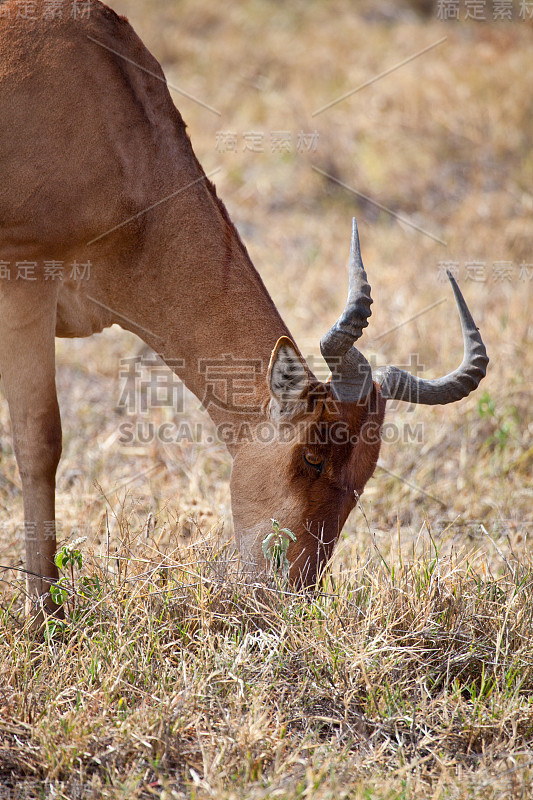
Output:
(411, 676)
(176, 677)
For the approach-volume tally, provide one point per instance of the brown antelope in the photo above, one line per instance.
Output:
(97, 167)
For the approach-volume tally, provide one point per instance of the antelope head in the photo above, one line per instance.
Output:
(329, 434)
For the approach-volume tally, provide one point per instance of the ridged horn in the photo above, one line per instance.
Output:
(396, 384)
(351, 374)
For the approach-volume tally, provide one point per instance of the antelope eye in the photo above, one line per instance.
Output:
(313, 460)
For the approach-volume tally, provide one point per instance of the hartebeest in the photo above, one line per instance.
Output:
(97, 167)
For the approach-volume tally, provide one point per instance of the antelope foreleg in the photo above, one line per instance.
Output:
(27, 364)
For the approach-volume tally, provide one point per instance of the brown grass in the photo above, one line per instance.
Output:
(411, 676)
(176, 677)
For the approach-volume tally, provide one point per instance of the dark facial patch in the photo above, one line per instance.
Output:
(347, 437)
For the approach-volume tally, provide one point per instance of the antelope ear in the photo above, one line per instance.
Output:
(288, 380)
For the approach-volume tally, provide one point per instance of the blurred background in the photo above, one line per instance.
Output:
(415, 117)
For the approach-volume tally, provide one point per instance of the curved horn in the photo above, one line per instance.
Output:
(396, 384)
(351, 377)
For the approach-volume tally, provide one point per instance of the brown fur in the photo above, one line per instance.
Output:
(334, 493)
(89, 141)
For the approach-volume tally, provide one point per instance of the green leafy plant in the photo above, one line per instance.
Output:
(59, 591)
(68, 556)
(275, 547)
